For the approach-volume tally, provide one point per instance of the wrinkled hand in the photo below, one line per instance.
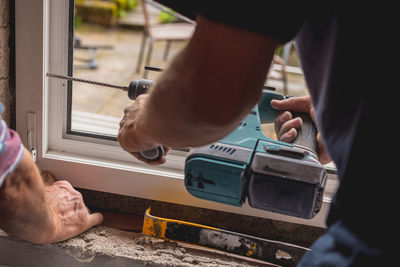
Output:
(286, 126)
(128, 138)
(70, 215)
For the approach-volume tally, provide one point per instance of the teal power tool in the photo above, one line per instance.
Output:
(275, 176)
(134, 89)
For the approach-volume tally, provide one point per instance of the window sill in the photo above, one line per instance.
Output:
(104, 246)
(155, 183)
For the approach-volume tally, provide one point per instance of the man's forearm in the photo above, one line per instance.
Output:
(208, 88)
(171, 117)
(24, 211)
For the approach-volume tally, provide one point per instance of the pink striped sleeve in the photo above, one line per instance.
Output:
(11, 149)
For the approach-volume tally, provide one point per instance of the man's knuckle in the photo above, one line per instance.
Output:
(79, 195)
(63, 183)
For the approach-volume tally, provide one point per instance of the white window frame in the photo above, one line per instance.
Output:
(87, 162)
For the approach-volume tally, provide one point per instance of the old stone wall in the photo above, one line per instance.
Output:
(6, 94)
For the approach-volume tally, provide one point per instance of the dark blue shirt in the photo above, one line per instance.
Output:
(340, 48)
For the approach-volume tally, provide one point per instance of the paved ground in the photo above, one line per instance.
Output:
(118, 66)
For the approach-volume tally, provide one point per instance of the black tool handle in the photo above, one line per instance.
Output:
(136, 88)
(307, 134)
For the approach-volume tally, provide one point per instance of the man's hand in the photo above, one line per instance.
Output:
(129, 137)
(286, 126)
(35, 208)
(70, 215)
(69, 212)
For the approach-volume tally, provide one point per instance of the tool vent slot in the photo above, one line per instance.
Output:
(225, 149)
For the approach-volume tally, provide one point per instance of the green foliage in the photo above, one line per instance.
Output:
(122, 13)
(166, 17)
(124, 5)
(132, 4)
(279, 50)
(118, 8)
(77, 21)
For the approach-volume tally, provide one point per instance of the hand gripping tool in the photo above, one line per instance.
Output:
(275, 176)
(134, 89)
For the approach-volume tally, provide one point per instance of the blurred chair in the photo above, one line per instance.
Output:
(280, 62)
(179, 31)
(89, 63)
(279, 75)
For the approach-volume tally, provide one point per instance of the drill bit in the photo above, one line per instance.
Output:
(69, 78)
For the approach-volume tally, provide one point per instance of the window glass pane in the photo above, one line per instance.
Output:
(108, 40)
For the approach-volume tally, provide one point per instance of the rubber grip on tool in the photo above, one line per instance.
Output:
(307, 134)
(153, 154)
(138, 87)
(135, 89)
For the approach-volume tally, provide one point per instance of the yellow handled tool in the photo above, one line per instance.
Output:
(281, 253)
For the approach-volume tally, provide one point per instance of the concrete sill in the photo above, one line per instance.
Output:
(104, 246)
